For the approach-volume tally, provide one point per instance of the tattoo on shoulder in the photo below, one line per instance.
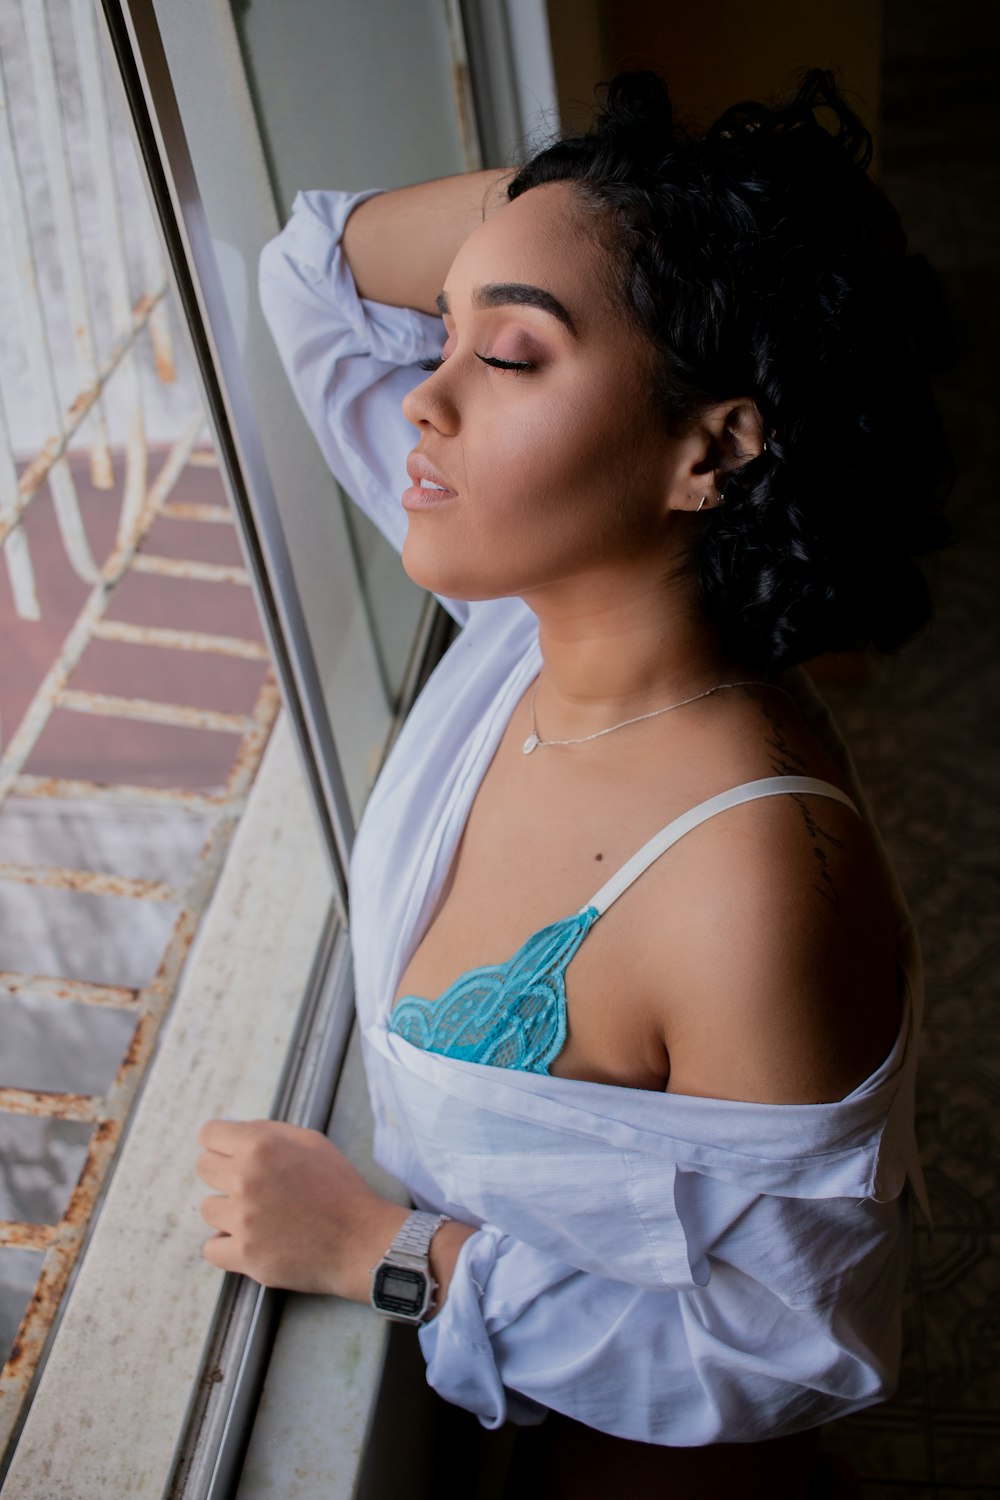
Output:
(787, 762)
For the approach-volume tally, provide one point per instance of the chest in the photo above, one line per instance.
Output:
(542, 835)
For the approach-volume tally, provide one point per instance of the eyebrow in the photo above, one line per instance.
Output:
(514, 293)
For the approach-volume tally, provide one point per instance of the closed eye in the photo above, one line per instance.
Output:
(505, 365)
(519, 366)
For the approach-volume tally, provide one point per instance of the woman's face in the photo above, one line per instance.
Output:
(558, 468)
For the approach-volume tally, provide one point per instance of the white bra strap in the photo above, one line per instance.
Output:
(769, 786)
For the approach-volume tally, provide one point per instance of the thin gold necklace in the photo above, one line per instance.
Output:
(534, 738)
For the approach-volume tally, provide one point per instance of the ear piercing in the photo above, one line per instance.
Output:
(722, 493)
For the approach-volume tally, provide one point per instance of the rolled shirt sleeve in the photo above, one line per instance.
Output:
(349, 360)
(736, 1360)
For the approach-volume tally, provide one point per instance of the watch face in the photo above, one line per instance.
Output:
(397, 1289)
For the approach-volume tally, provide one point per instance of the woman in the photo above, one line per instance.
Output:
(677, 441)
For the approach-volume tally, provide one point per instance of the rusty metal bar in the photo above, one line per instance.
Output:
(149, 711)
(155, 274)
(191, 510)
(108, 203)
(25, 1236)
(180, 640)
(163, 352)
(90, 882)
(244, 767)
(77, 991)
(155, 269)
(70, 249)
(38, 470)
(184, 567)
(60, 789)
(85, 1107)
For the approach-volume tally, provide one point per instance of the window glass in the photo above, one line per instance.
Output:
(314, 99)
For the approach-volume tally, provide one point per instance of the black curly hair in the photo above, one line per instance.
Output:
(760, 261)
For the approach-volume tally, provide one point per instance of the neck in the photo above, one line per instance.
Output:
(612, 653)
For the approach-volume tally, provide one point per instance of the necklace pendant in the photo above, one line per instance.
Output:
(530, 743)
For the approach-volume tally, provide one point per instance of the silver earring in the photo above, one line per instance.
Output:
(701, 502)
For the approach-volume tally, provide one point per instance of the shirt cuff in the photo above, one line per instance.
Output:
(311, 238)
(456, 1343)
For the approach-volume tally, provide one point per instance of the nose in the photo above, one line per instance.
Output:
(432, 402)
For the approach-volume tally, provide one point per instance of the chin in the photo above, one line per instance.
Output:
(428, 574)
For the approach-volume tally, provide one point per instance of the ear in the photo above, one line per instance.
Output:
(720, 439)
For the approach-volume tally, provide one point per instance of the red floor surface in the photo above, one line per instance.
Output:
(105, 749)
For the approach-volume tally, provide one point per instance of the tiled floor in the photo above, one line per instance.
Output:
(925, 730)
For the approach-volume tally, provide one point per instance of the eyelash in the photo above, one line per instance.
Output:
(518, 366)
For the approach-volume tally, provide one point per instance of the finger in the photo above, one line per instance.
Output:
(223, 1136)
(218, 1212)
(215, 1170)
(219, 1251)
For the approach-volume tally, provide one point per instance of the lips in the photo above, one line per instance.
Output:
(418, 468)
(429, 488)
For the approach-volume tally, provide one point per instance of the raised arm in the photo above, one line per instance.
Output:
(400, 244)
(351, 310)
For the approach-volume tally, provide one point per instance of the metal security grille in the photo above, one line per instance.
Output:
(135, 337)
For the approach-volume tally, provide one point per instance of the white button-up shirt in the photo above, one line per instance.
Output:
(672, 1269)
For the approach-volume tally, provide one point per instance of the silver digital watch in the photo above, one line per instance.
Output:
(402, 1285)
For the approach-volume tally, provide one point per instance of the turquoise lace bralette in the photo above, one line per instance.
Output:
(513, 1014)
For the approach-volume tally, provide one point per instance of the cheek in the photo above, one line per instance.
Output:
(547, 459)
(547, 487)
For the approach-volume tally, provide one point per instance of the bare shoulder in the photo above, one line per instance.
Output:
(782, 964)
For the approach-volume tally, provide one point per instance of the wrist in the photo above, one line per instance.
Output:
(444, 1252)
(378, 1233)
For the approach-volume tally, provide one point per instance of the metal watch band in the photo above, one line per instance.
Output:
(406, 1259)
(414, 1238)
